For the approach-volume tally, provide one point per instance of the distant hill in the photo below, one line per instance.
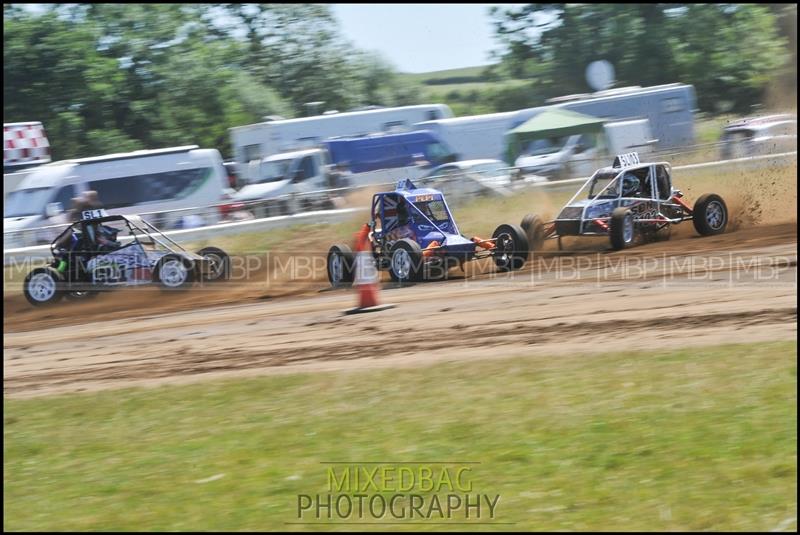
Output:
(463, 75)
(468, 90)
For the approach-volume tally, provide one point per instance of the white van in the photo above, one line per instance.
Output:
(289, 179)
(138, 182)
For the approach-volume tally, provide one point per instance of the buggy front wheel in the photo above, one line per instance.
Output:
(511, 247)
(710, 215)
(220, 264)
(622, 230)
(405, 261)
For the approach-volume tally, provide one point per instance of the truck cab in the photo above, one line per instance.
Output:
(287, 182)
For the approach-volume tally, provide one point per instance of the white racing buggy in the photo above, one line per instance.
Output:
(88, 257)
(626, 202)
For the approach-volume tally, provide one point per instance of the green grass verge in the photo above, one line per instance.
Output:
(700, 439)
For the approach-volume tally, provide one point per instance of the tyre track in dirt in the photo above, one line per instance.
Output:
(198, 361)
(536, 312)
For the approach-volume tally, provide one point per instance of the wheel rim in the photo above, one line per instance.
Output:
(42, 287)
(627, 229)
(336, 267)
(173, 273)
(401, 264)
(216, 266)
(715, 215)
(505, 246)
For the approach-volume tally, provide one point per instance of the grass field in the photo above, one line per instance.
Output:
(700, 439)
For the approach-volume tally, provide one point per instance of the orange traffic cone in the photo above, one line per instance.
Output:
(366, 277)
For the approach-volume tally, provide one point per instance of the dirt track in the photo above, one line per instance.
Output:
(738, 287)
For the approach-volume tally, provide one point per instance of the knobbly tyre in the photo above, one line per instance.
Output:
(412, 233)
(628, 202)
(88, 258)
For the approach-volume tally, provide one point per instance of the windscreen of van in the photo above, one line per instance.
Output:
(32, 201)
(438, 153)
(154, 187)
(272, 171)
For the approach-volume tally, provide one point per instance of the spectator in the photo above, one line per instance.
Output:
(93, 200)
(78, 206)
(89, 200)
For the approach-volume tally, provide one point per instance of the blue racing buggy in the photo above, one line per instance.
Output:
(413, 234)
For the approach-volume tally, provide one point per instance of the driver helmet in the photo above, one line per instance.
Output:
(630, 184)
(402, 212)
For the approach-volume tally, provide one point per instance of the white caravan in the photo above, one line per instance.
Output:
(179, 178)
(257, 141)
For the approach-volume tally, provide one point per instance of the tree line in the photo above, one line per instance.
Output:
(116, 77)
(729, 52)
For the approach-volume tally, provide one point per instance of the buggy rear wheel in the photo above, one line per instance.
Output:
(340, 265)
(710, 215)
(511, 247)
(173, 272)
(622, 229)
(43, 286)
(534, 231)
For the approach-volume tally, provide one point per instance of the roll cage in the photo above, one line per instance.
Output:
(388, 205)
(659, 177)
(137, 227)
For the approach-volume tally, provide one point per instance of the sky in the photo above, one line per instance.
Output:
(421, 37)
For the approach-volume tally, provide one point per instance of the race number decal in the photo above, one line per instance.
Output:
(93, 214)
(624, 160)
(644, 211)
(106, 273)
